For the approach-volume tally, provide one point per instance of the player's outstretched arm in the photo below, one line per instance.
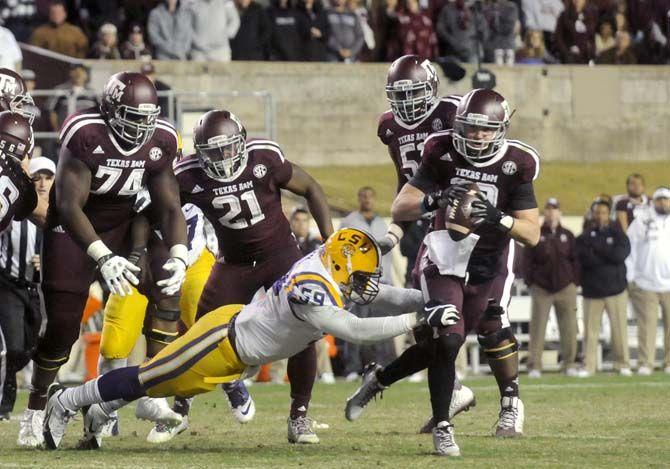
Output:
(301, 183)
(398, 300)
(408, 204)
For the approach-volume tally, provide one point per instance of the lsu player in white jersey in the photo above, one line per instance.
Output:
(125, 316)
(229, 342)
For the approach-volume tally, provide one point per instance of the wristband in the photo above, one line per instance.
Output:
(179, 251)
(97, 249)
(395, 233)
(505, 223)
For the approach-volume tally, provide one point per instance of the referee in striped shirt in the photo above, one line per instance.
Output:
(20, 304)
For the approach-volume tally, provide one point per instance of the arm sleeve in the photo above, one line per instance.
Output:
(523, 197)
(341, 323)
(398, 300)
(423, 180)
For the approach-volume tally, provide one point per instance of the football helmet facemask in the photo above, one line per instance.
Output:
(411, 88)
(14, 95)
(220, 144)
(481, 124)
(353, 259)
(130, 107)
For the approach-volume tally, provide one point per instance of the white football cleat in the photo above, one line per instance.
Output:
(666, 370)
(56, 417)
(163, 432)
(443, 440)
(511, 417)
(241, 404)
(96, 424)
(30, 429)
(534, 374)
(301, 431)
(156, 410)
(327, 378)
(625, 372)
(644, 371)
(462, 400)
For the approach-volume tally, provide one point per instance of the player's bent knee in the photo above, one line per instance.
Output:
(500, 344)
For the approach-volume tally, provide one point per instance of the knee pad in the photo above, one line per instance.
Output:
(165, 314)
(47, 361)
(159, 333)
(447, 346)
(499, 344)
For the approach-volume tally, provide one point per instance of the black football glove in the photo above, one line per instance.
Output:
(445, 198)
(439, 315)
(483, 211)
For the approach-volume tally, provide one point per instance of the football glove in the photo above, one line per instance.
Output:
(483, 211)
(117, 272)
(176, 265)
(441, 199)
(439, 315)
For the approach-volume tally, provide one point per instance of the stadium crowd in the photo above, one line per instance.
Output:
(495, 31)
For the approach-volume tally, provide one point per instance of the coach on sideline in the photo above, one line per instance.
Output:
(602, 250)
(551, 272)
(649, 278)
(20, 311)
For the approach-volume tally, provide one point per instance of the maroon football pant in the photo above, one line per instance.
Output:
(237, 284)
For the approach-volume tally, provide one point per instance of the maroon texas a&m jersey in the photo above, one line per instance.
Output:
(17, 193)
(506, 179)
(405, 142)
(117, 174)
(246, 209)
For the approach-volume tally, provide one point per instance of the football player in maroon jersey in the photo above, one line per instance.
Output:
(107, 155)
(14, 94)
(416, 112)
(237, 184)
(472, 277)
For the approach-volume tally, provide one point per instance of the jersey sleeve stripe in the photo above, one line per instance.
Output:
(169, 129)
(531, 151)
(317, 279)
(69, 123)
(273, 148)
(73, 130)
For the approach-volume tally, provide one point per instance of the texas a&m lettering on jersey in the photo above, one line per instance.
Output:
(506, 180)
(405, 142)
(117, 174)
(245, 210)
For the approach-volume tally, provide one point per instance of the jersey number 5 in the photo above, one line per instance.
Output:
(235, 208)
(410, 166)
(8, 195)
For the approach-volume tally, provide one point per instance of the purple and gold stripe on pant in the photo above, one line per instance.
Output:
(162, 369)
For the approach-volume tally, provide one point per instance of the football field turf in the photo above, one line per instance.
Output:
(606, 421)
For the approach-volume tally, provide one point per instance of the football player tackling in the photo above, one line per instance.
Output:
(298, 309)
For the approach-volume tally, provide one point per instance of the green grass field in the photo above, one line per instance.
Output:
(575, 184)
(606, 421)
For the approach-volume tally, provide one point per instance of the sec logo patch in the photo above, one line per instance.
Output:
(436, 125)
(509, 167)
(155, 154)
(260, 170)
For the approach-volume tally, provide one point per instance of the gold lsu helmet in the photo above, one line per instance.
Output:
(353, 259)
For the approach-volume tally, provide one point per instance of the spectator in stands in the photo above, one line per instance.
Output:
(649, 278)
(385, 25)
(602, 252)
(106, 47)
(605, 37)
(300, 227)
(621, 54)
(76, 95)
(60, 36)
(587, 221)
(542, 15)
(92, 14)
(285, 40)
(10, 53)
(215, 23)
(551, 271)
(147, 69)
(314, 22)
(170, 28)
(361, 11)
(502, 17)
(20, 17)
(575, 33)
(628, 206)
(135, 48)
(534, 51)
(462, 31)
(346, 39)
(417, 35)
(253, 37)
(365, 218)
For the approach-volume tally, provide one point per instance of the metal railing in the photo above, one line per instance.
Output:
(183, 107)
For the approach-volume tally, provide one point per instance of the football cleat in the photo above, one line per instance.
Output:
(4, 416)
(111, 428)
(511, 417)
(462, 400)
(163, 432)
(644, 371)
(96, 424)
(443, 440)
(30, 429)
(625, 372)
(534, 374)
(56, 417)
(301, 430)
(327, 378)
(241, 403)
(368, 390)
(156, 410)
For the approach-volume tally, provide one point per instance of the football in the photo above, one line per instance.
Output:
(458, 222)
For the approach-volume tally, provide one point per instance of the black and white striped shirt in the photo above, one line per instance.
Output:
(18, 244)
